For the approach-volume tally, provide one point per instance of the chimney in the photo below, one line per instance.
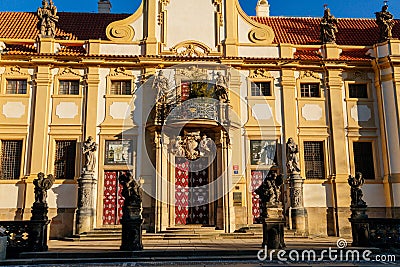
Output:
(262, 8)
(104, 6)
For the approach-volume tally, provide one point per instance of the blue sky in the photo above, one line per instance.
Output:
(308, 8)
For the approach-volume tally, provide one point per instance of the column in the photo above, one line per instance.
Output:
(229, 210)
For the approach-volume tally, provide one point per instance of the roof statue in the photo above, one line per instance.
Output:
(47, 15)
(329, 28)
(385, 21)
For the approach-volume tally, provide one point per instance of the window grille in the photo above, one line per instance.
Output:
(69, 88)
(358, 90)
(11, 154)
(310, 90)
(363, 159)
(261, 89)
(314, 160)
(121, 88)
(64, 165)
(16, 86)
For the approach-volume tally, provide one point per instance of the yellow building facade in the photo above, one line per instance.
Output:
(340, 103)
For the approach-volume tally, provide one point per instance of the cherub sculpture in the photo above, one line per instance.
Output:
(42, 184)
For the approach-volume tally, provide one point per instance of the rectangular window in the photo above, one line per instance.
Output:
(261, 89)
(121, 88)
(363, 159)
(263, 152)
(16, 86)
(309, 90)
(69, 88)
(358, 90)
(314, 160)
(11, 154)
(64, 164)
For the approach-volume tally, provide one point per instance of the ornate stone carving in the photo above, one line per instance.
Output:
(89, 150)
(68, 71)
(328, 28)
(121, 30)
(192, 146)
(47, 15)
(42, 184)
(220, 16)
(260, 73)
(221, 87)
(359, 76)
(121, 71)
(191, 49)
(261, 35)
(15, 70)
(165, 93)
(309, 74)
(356, 194)
(192, 73)
(292, 162)
(269, 192)
(385, 21)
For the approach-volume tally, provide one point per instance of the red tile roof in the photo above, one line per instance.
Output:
(72, 26)
(303, 31)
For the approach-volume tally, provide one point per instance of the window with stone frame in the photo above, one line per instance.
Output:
(10, 160)
(65, 156)
(68, 87)
(363, 159)
(358, 90)
(121, 87)
(261, 89)
(310, 90)
(16, 86)
(314, 160)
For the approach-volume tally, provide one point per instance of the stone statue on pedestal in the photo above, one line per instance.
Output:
(42, 184)
(356, 193)
(131, 190)
(328, 28)
(269, 192)
(89, 150)
(292, 150)
(385, 21)
(47, 15)
(39, 208)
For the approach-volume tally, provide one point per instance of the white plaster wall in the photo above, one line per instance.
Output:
(190, 20)
(10, 194)
(243, 30)
(254, 51)
(383, 51)
(396, 194)
(120, 49)
(374, 195)
(63, 196)
(314, 195)
(244, 116)
(138, 28)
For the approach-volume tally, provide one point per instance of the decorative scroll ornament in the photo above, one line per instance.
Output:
(191, 49)
(15, 70)
(261, 35)
(260, 73)
(359, 76)
(309, 74)
(122, 31)
(192, 146)
(121, 71)
(68, 72)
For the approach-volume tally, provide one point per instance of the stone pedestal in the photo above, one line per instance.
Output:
(39, 212)
(359, 226)
(298, 213)
(131, 228)
(274, 228)
(86, 210)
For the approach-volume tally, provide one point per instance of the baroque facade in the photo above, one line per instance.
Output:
(100, 75)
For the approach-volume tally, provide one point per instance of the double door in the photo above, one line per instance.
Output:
(191, 191)
(112, 198)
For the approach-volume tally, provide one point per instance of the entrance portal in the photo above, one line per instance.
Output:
(191, 192)
(112, 198)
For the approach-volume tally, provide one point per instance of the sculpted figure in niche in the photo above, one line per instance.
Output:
(292, 162)
(89, 149)
(221, 87)
(42, 184)
(165, 94)
(328, 27)
(47, 15)
(385, 21)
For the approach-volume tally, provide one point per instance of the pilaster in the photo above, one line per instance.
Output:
(150, 41)
(289, 103)
(40, 140)
(92, 83)
(231, 29)
(46, 45)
